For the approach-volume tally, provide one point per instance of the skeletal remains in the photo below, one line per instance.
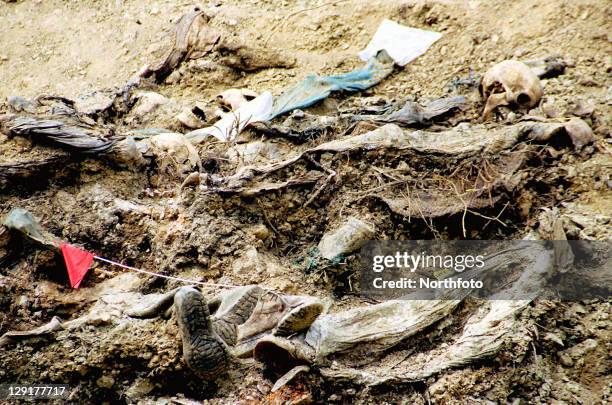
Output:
(293, 333)
(295, 330)
(510, 83)
(287, 331)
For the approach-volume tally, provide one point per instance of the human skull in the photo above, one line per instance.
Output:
(509, 83)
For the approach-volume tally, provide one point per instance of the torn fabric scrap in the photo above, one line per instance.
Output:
(412, 113)
(316, 88)
(75, 136)
(228, 127)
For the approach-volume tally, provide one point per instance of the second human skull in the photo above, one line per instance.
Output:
(510, 83)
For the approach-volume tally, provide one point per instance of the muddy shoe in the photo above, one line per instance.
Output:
(235, 308)
(203, 350)
(299, 317)
(282, 354)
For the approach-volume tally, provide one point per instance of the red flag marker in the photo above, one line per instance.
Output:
(78, 262)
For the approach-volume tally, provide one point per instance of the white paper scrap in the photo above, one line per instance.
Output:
(403, 44)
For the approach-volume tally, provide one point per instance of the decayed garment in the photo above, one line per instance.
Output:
(73, 135)
(373, 329)
(384, 325)
(412, 113)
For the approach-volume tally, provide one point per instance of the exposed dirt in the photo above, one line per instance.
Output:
(146, 219)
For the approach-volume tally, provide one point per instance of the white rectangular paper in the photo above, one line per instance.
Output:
(403, 44)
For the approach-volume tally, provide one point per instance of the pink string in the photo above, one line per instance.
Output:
(163, 275)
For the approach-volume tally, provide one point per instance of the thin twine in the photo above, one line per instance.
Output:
(163, 275)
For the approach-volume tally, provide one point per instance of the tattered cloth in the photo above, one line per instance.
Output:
(79, 138)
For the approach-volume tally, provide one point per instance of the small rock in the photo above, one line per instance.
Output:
(174, 77)
(347, 238)
(581, 110)
(553, 338)
(581, 349)
(283, 285)
(139, 389)
(193, 179)
(255, 265)
(154, 361)
(589, 82)
(236, 98)
(248, 263)
(23, 301)
(148, 102)
(580, 132)
(4, 58)
(548, 108)
(566, 360)
(105, 382)
(261, 232)
(94, 102)
(187, 118)
(18, 103)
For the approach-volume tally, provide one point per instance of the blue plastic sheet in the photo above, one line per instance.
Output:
(316, 88)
